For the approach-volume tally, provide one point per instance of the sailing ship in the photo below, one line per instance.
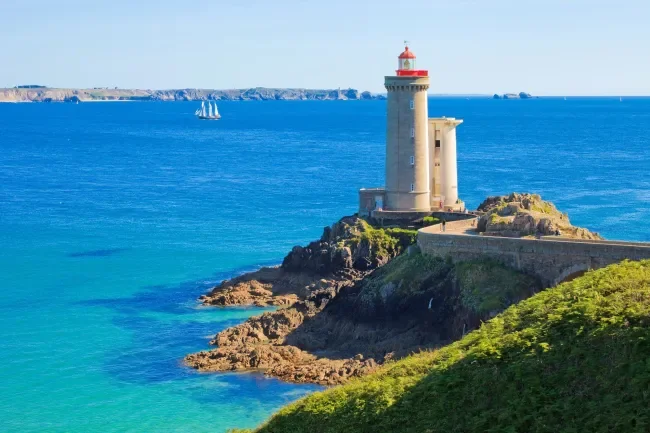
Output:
(209, 114)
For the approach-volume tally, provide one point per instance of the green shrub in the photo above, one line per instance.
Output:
(574, 358)
(405, 237)
(430, 220)
(387, 242)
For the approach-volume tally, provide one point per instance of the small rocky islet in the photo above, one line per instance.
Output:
(520, 95)
(362, 295)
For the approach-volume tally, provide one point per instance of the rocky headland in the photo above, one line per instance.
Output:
(46, 94)
(527, 215)
(309, 278)
(363, 295)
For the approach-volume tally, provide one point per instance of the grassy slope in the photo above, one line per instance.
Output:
(575, 358)
(485, 285)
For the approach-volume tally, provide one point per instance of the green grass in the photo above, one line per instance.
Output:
(408, 272)
(544, 207)
(384, 242)
(489, 286)
(496, 219)
(574, 358)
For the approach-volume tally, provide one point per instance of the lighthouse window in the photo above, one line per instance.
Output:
(412, 104)
(412, 187)
(413, 160)
(437, 143)
(412, 132)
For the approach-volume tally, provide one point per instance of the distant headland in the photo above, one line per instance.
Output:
(38, 93)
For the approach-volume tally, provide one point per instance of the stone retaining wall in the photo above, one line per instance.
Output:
(553, 261)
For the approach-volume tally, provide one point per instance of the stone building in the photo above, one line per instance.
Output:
(421, 173)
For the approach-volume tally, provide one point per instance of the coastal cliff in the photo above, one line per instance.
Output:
(570, 358)
(281, 342)
(46, 94)
(340, 331)
(363, 295)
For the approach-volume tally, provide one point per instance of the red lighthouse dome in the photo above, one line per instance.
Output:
(407, 54)
(406, 65)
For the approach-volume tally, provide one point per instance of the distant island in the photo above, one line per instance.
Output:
(520, 95)
(38, 93)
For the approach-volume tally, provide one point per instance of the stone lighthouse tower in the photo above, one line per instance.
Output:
(421, 172)
(407, 149)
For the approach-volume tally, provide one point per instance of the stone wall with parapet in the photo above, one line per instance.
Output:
(552, 261)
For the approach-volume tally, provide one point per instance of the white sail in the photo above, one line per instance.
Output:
(197, 112)
(209, 110)
(216, 112)
(203, 108)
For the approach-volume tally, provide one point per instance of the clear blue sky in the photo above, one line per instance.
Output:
(546, 47)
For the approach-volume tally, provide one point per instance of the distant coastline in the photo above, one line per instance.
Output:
(34, 93)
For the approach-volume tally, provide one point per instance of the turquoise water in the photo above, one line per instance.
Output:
(114, 217)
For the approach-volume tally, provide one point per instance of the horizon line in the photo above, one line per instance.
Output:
(472, 94)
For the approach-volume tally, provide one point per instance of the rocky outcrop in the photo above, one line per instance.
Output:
(45, 94)
(520, 215)
(266, 286)
(284, 342)
(344, 328)
(261, 343)
(343, 254)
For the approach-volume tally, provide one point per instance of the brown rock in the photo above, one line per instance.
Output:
(518, 215)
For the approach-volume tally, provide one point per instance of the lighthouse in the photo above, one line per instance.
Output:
(407, 150)
(421, 169)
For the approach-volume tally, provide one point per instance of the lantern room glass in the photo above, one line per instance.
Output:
(406, 64)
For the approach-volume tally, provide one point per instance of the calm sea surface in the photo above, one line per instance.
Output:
(114, 217)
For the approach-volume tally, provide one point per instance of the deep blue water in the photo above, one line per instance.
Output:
(114, 217)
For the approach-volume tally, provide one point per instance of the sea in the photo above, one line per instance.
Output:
(115, 217)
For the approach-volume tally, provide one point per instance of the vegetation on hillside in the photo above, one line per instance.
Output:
(382, 242)
(488, 286)
(408, 273)
(430, 220)
(574, 358)
(476, 287)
